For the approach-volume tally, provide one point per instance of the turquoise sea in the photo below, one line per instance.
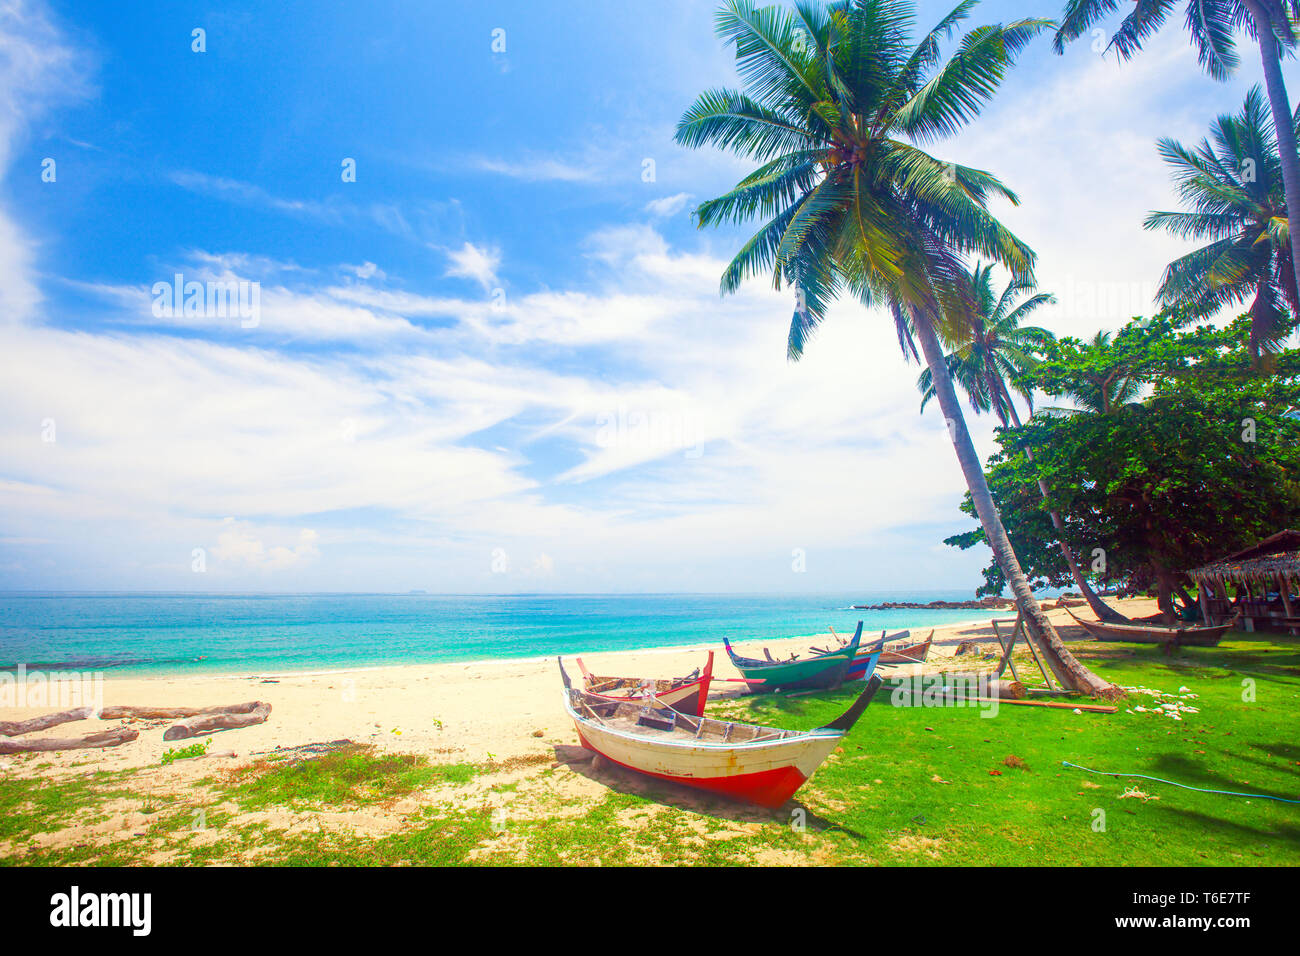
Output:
(264, 633)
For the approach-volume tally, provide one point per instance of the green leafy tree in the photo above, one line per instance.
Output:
(1232, 186)
(1100, 375)
(838, 103)
(1213, 25)
(1207, 463)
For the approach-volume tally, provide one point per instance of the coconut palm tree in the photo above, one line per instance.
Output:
(836, 108)
(992, 349)
(1232, 185)
(1212, 25)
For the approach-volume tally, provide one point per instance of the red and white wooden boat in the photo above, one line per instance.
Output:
(685, 694)
(906, 650)
(763, 765)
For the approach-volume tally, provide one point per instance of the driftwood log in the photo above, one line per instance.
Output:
(1008, 690)
(226, 720)
(12, 728)
(175, 713)
(105, 738)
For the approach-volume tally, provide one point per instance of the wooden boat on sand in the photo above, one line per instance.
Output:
(685, 694)
(1176, 636)
(901, 650)
(762, 765)
(820, 670)
(898, 649)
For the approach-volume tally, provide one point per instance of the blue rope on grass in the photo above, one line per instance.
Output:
(1226, 793)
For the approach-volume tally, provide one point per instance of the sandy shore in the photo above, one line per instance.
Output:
(451, 712)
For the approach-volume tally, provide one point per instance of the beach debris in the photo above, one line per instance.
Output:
(104, 738)
(13, 728)
(1137, 793)
(538, 733)
(1166, 704)
(230, 718)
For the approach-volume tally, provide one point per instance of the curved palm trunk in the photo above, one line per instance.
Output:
(1067, 668)
(1271, 53)
(1098, 607)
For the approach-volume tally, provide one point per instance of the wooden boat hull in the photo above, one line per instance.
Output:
(767, 778)
(759, 764)
(800, 675)
(907, 653)
(824, 671)
(1149, 634)
(897, 650)
(687, 697)
(864, 665)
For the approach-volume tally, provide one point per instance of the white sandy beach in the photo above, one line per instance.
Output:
(451, 712)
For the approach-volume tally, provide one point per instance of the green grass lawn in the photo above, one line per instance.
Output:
(909, 786)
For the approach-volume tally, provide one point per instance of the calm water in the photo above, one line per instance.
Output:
(258, 633)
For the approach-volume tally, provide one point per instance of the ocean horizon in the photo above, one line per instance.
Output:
(215, 633)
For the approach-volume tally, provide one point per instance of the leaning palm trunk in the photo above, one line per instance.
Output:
(1098, 607)
(1271, 53)
(1067, 668)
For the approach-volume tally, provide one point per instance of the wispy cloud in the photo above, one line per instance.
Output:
(474, 262)
(536, 169)
(668, 205)
(38, 71)
(251, 195)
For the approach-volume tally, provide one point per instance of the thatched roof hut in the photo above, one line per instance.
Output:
(1277, 556)
(1272, 565)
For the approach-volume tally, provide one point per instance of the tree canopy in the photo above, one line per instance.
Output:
(1205, 463)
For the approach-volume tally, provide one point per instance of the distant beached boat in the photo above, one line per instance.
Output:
(900, 650)
(822, 670)
(762, 765)
(685, 694)
(1177, 636)
(897, 649)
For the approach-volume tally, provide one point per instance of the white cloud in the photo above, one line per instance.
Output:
(472, 262)
(628, 429)
(668, 205)
(38, 70)
(251, 195)
(536, 169)
(241, 546)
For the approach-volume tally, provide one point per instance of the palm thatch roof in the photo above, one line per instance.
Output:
(1276, 556)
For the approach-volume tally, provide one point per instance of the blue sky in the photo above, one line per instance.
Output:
(497, 360)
